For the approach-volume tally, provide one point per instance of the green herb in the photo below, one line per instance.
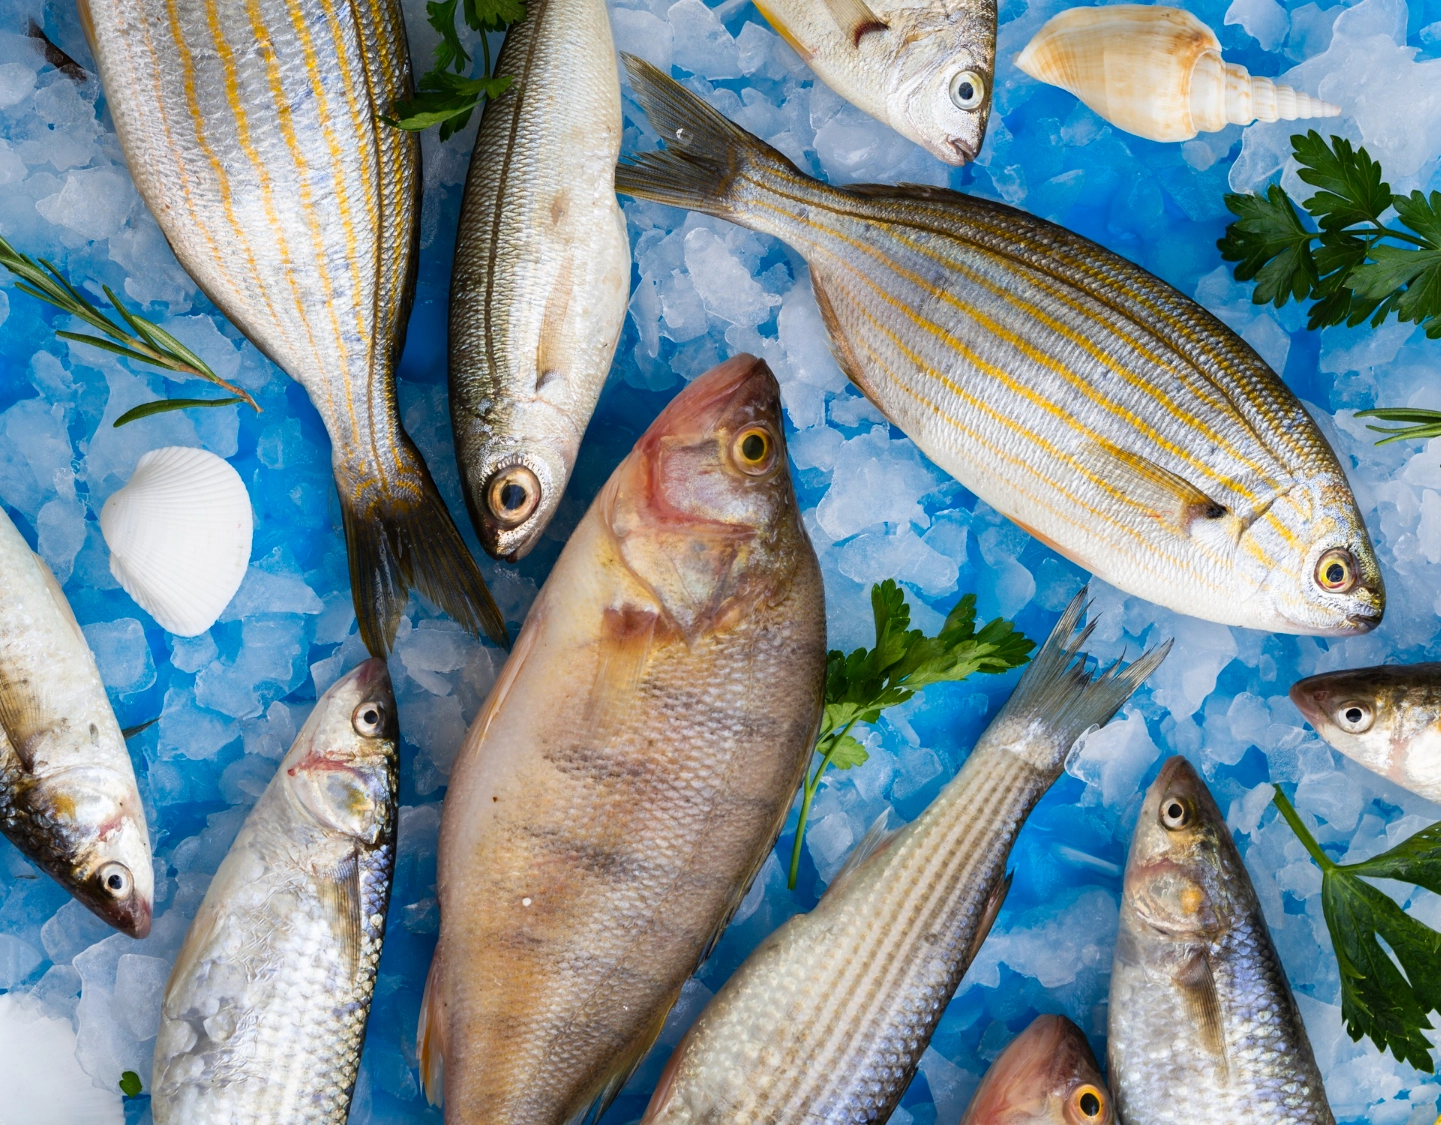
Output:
(446, 97)
(1418, 424)
(146, 409)
(146, 342)
(1386, 999)
(130, 1084)
(862, 685)
(1354, 267)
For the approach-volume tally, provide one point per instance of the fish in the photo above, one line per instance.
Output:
(1098, 408)
(632, 767)
(1386, 718)
(925, 69)
(542, 272)
(264, 1014)
(827, 1020)
(68, 797)
(1203, 1028)
(251, 131)
(1047, 1076)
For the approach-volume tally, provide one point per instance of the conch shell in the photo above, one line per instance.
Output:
(1156, 72)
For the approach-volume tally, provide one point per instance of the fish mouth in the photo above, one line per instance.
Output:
(963, 150)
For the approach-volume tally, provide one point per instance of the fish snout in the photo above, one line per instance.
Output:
(699, 408)
(963, 149)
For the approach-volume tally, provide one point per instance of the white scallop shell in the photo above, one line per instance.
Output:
(179, 537)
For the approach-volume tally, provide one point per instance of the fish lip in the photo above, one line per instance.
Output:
(964, 149)
(131, 918)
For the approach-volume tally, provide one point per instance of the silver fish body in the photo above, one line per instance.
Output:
(1204, 1029)
(1387, 718)
(1046, 1076)
(542, 271)
(827, 1019)
(251, 132)
(1094, 405)
(925, 69)
(264, 1013)
(68, 798)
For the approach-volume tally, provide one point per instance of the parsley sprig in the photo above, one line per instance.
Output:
(446, 97)
(904, 660)
(1385, 999)
(1353, 266)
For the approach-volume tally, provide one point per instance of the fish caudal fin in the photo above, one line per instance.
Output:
(1060, 696)
(705, 153)
(402, 541)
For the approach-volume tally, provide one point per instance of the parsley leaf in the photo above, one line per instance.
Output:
(1350, 182)
(1387, 991)
(862, 684)
(130, 1084)
(1272, 245)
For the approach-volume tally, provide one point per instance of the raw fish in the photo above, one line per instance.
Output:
(1203, 1027)
(264, 1014)
(827, 1020)
(1109, 415)
(632, 767)
(1047, 1076)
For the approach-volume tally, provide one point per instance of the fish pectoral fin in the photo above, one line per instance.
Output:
(22, 716)
(340, 899)
(877, 838)
(550, 360)
(855, 18)
(1173, 500)
(840, 344)
(614, 1079)
(1203, 1004)
(626, 633)
(430, 1047)
(994, 902)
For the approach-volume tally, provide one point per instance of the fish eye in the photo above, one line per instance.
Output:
(968, 90)
(1089, 1101)
(754, 450)
(1354, 717)
(115, 880)
(1336, 571)
(512, 495)
(368, 719)
(1175, 813)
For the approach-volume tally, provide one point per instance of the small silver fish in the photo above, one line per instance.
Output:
(265, 1010)
(1387, 718)
(542, 271)
(68, 798)
(1047, 1076)
(1203, 1027)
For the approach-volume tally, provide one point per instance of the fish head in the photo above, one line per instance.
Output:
(703, 508)
(512, 495)
(1326, 580)
(1375, 715)
(944, 75)
(1047, 1076)
(1181, 878)
(342, 769)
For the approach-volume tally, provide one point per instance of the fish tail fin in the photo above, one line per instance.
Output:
(404, 539)
(705, 153)
(1059, 697)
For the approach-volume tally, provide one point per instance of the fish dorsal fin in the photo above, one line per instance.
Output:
(623, 1067)
(994, 901)
(626, 633)
(877, 838)
(340, 900)
(1203, 1004)
(431, 1046)
(855, 18)
(1173, 500)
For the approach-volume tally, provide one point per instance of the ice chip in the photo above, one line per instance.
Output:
(43, 1083)
(122, 654)
(702, 45)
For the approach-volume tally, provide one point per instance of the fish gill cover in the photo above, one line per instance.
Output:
(231, 700)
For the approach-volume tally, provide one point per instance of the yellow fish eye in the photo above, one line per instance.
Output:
(1089, 1103)
(754, 450)
(1336, 571)
(968, 90)
(512, 495)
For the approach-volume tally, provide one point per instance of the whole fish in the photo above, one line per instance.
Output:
(251, 132)
(925, 69)
(1103, 411)
(632, 766)
(1203, 1027)
(67, 789)
(1047, 1076)
(827, 1020)
(542, 271)
(264, 1013)
(1387, 718)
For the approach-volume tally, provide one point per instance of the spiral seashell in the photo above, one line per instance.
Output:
(1156, 72)
(179, 536)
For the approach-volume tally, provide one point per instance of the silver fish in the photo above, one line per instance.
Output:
(827, 1020)
(1106, 413)
(265, 1010)
(251, 132)
(1387, 718)
(1047, 1076)
(542, 271)
(67, 789)
(1203, 1027)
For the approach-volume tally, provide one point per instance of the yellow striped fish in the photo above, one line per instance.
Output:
(1103, 411)
(251, 133)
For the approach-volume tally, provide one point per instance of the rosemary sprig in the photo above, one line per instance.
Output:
(1418, 424)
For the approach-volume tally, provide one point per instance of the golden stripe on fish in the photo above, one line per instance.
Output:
(1097, 407)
